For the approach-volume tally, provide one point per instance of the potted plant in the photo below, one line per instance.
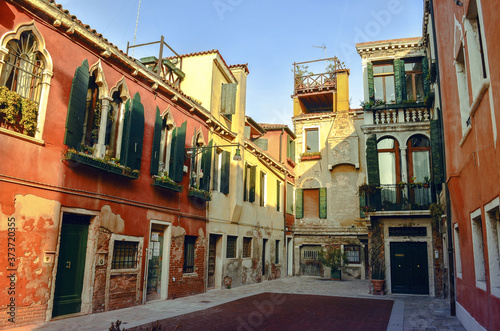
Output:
(377, 259)
(378, 276)
(334, 258)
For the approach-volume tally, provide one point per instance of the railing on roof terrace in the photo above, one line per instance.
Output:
(307, 82)
(399, 197)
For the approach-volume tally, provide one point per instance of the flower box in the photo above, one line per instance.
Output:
(166, 185)
(204, 195)
(102, 165)
(310, 157)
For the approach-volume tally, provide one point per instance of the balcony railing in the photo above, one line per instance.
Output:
(399, 197)
(315, 82)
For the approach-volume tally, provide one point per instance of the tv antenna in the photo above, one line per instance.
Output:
(136, 23)
(323, 48)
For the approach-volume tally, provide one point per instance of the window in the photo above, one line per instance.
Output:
(289, 198)
(492, 210)
(414, 80)
(458, 255)
(228, 99)
(278, 195)
(114, 124)
(419, 169)
(222, 167)
(290, 151)
(475, 47)
(189, 248)
(249, 184)
(217, 171)
(463, 91)
(353, 253)
(383, 81)
(312, 141)
(389, 164)
(262, 143)
(263, 189)
(124, 255)
(196, 168)
(478, 249)
(277, 252)
(231, 247)
(247, 247)
(25, 74)
(167, 128)
(407, 231)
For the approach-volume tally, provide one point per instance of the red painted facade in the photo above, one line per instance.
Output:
(472, 153)
(37, 186)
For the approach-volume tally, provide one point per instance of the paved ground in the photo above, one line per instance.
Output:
(408, 313)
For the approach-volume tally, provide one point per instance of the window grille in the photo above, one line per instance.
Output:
(277, 251)
(408, 231)
(124, 255)
(247, 247)
(189, 245)
(231, 247)
(352, 252)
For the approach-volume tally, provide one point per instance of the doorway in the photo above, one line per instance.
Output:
(264, 249)
(289, 252)
(214, 261)
(158, 262)
(71, 264)
(409, 268)
(309, 263)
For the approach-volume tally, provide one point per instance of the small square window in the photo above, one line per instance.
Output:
(124, 255)
(231, 247)
(247, 247)
(353, 253)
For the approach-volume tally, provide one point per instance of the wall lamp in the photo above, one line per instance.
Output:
(459, 3)
(193, 151)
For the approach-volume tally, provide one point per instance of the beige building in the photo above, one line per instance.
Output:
(329, 169)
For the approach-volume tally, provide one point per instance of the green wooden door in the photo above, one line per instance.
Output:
(71, 266)
(409, 269)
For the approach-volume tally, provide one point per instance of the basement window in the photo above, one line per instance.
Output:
(124, 255)
(189, 245)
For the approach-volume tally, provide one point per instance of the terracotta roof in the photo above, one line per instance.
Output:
(240, 66)
(271, 127)
(389, 41)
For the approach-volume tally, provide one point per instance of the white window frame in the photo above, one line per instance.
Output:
(463, 91)
(304, 144)
(458, 254)
(119, 237)
(492, 216)
(263, 198)
(478, 248)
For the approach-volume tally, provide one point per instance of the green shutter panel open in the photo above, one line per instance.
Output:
(293, 151)
(225, 172)
(278, 195)
(135, 134)
(436, 153)
(322, 202)
(373, 170)
(362, 204)
(228, 98)
(425, 73)
(288, 146)
(299, 203)
(155, 153)
(371, 86)
(206, 167)
(76, 107)
(399, 79)
(253, 174)
(177, 156)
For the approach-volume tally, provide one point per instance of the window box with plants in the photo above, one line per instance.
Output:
(107, 164)
(17, 114)
(310, 156)
(199, 193)
(165, 182)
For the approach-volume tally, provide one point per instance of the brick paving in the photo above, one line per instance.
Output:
(409, 312)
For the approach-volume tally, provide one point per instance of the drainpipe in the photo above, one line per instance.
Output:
(449, 224)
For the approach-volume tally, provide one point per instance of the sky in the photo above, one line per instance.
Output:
(268, 35)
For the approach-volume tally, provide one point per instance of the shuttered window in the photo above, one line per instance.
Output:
(278, 195)
(322, 202)
(228, 99)
(289, 198)
(206, 167)
(253, 175)
(299, 203)
(225, 172)
(177, 152)
(155, 153)
(133, 133)
(263, 188)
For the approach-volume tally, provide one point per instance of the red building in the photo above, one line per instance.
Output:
(94, 201)
(463, 36)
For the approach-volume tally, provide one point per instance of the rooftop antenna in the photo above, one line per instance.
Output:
(323, 48)
(136, 23)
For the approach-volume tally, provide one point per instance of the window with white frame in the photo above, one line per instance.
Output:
(353, 253)
(463, 90)
(474, 47)
(492, 210)
(478, 249)
(167, 129)
(458, 255)
(25, 74)
(312, 140)
(217, 170)
(125, 255)
(383, 81)
(263, 188)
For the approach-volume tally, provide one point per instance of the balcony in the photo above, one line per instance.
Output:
(315, 83)
(398, 197)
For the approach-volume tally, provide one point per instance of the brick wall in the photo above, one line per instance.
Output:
(98, 304)
(25, 315)
(123, 291)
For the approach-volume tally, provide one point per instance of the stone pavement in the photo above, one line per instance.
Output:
(408, 313)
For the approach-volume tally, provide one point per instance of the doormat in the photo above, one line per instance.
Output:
(279, 311)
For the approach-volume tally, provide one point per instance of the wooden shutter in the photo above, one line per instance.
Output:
(76, 107)
(278, 195)
(225, 172)
(288, 146)
(399, 80)
(362, 204)
(228, 99)
(425, 73)
(322, 202)
(262, 144)
(134, 134)
(371, 86)
(253, 173)
(155, 153)
(299, 203)
(437, 153)
(373, 170)
(177, 152)
(206, 167)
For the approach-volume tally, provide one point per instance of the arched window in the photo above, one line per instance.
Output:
(114, 127)
(168, 126)
(419, 170)
(196, 169)
(389, 168)
(93, 112)
(25, 74)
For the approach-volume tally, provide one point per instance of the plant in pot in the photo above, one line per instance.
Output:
(335, 259)
(378, 277)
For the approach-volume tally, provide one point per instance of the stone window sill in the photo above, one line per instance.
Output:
(22, 136)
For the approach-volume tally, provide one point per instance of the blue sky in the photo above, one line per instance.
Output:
(268, 35)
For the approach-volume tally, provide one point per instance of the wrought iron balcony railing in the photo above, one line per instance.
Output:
(399, 197)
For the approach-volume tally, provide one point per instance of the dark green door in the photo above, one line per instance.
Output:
(71, 265)
(409, 268)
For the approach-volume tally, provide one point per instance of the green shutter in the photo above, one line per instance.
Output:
(299, 203)
(293, 150)
(225, 172)
(155, 153)
(322, 202)
(253, 174)
(135, 134)
(125, 133)
(425, 73)
(262, 143)
(206, 167)
(371, 86)
(177, 152)
(278, 195)
(372, 160)
(76, 107)
(399, 80)
(362, 204)
(228, 98)
(437, 153)
(288, 146)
